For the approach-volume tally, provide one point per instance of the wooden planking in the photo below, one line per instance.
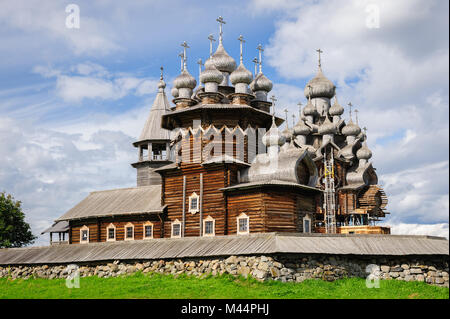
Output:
(253, 244)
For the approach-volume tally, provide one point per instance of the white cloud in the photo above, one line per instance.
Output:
(440, 230)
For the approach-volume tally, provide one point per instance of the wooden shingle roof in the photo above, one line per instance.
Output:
(124, 201)
(253, 244)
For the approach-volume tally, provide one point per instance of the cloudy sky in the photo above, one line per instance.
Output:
(73, 100)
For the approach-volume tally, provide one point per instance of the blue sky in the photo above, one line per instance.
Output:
(73, 100)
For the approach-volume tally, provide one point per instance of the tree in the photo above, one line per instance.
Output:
(14, 231)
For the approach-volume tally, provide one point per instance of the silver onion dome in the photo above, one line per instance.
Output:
(320, 86)
(336, 108)
(351, 129)
(364, 152)
(261, 83)
(223, 61)
(185, 80)
(287, 134)
(309, 109)
(301, 128)
(327, 127)
(241, 75)
(211, 73)
(174, 92)
(273, 136)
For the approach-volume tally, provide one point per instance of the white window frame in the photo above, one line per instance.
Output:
(243, 216)
(197, 209)
(175, 222)
(107, 232)
(308, 219)
(81, 235)
(125, 231)
(209, 219)
(148, 223)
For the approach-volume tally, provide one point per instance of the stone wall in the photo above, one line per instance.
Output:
(285, 267)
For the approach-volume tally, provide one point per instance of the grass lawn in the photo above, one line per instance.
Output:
(165, 286)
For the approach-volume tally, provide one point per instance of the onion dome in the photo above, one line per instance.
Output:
(241, 75)
(327, 127)
(174, 92)
(319, 86)
(261, 83)
(211, 73)
(185, 80)
(287, 134)
(301, 128)
(364, 152)
(336, 108)
(222, 60)
(351, 129)
(309, 108)
(273, 136)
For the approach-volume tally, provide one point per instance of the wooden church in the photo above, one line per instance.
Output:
(215, 162)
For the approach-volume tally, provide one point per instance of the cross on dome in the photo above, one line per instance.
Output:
(211, 39)
(221, 22)
(241, 40)
(260, 49)
(319, 51)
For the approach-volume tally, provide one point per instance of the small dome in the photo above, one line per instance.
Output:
(320, 86)
(364, 152)
(185, 80)
(223, 61)
(327, 127)
(261, 83)
(301, 128)
(336, 109)
(309, 108)
(287, 133)
(351, 129)
(210, 73)
(174, 92)
(161, 84)
(241, 75)
(273, 136)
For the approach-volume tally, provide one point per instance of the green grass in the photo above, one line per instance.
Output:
(165, 286)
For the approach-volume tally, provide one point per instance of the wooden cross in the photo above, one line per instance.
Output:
(273, 99)
(211, 39)
(221, 21)
(200, 63)
(241, 40)
(299, 109)
(185, 46)
(260, 49)
(319, 51)
(350, 109)
(256, 62)
(162, 69)
(181, 55)
(293, 120)
(356, 116)
(286, 111)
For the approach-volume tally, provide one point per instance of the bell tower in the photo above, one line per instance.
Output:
(154, 142)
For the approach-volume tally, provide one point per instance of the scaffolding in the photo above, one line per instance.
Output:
(329, 203)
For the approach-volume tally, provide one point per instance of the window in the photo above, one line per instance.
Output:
(148, 230)
(129, 231)
(194, 203)
(84, 234)
(243, 224)
(111, 232)
(176, 229)
(306, 224)
(209, 226)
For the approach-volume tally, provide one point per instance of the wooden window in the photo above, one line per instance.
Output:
(84, 234)
(194, 203)
(111, 232)
(129, 231)
(148, 230)
(306, 224)
(176, 229)
(209, 225)
(243, 224)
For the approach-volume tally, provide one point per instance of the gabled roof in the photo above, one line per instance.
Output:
(125, 201)
(152, 129)
(58, 227)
